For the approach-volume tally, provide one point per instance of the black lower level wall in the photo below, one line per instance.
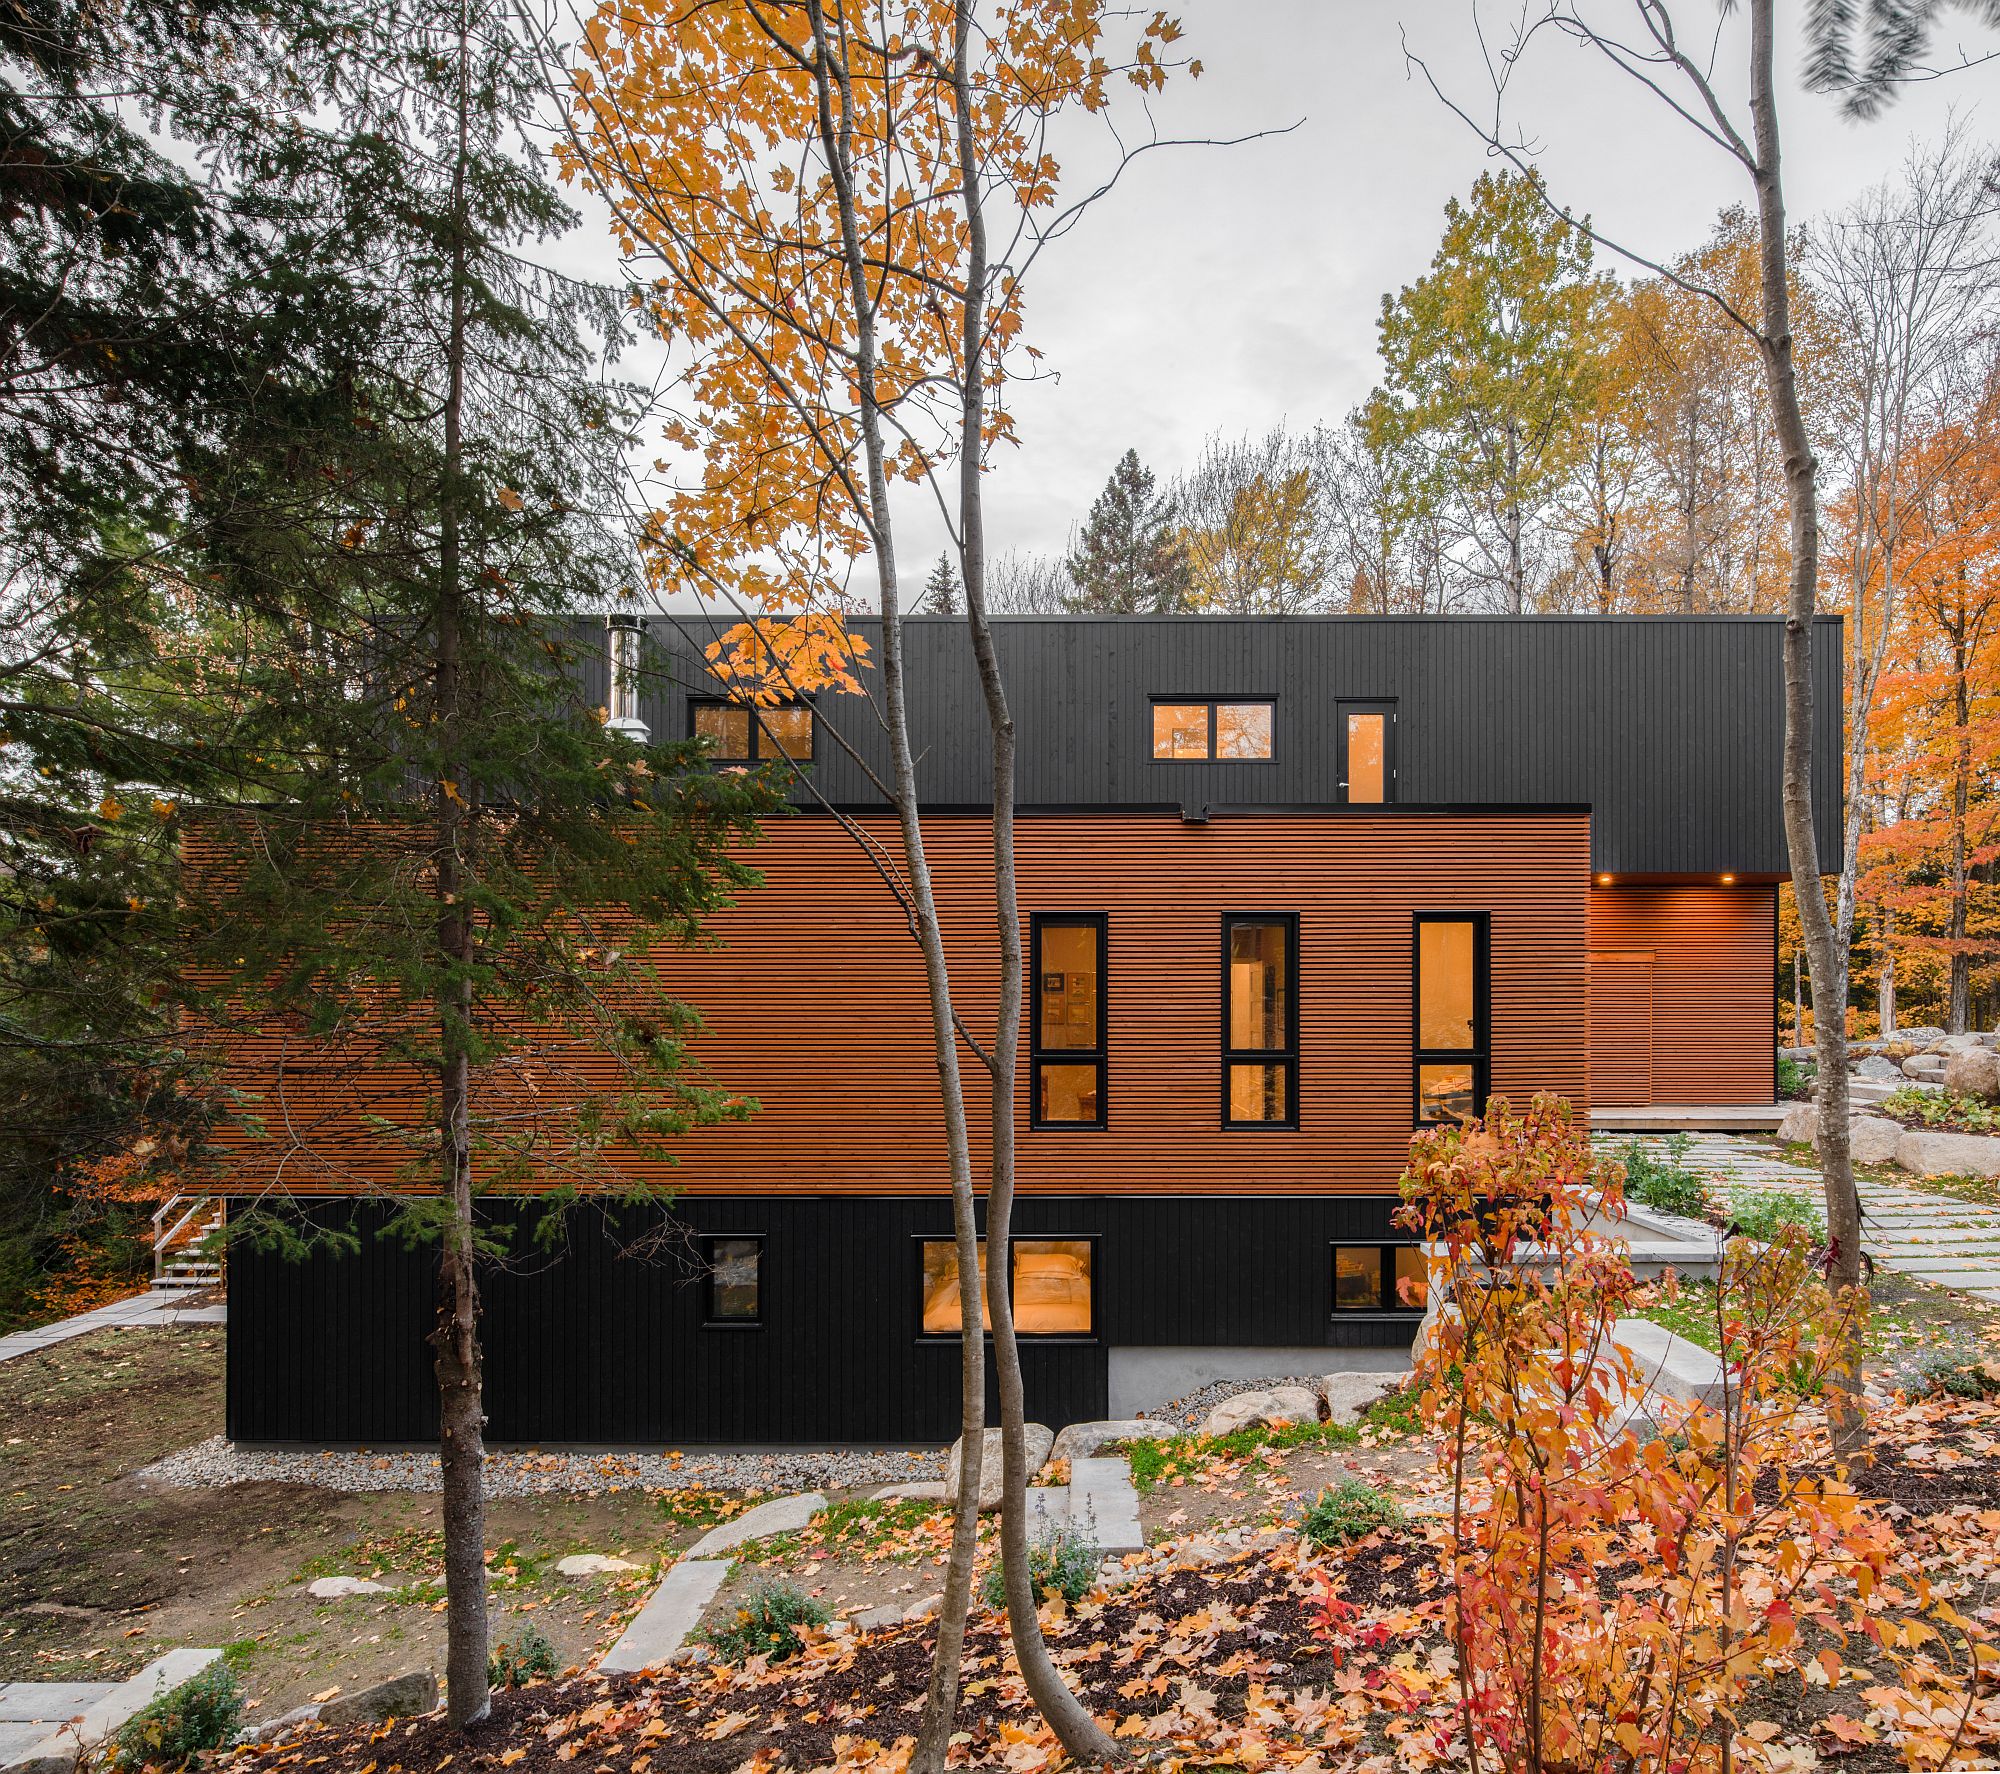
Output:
(600, 1339)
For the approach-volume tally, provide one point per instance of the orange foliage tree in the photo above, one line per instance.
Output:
(1604, 1613)
(829, 206)
(1930, 863)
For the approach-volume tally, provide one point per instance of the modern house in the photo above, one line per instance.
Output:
(1292, 888)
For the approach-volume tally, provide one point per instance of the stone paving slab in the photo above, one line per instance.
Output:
(151, 1307)
(1099, 1497)
(782, 1515)
(660, 1628)
(59, 1741)
(48, 1702)
(1937, 1237)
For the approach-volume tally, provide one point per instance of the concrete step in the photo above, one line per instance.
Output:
(660, 1628)
(1670, 1365)
(60, 1747)
(1689, 1118)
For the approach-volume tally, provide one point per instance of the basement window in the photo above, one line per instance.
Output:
(1379, 1278)
(734, 1282)
(1052, 1294)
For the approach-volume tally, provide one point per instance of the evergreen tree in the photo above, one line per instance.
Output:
(1129, 560)
(942, 594)
(451, 887)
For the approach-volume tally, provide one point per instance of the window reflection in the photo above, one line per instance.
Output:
(788, 731)
(1242, 729)
(1446, 1092)
(1180, 729)
(734, 1279)
(1367, 757)
(1445, 996)
(729, 727)
(1413, 1276)
(744, 735)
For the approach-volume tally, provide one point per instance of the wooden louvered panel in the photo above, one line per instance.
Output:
(1621, 1027)
(1714, 985)
(815, 1005)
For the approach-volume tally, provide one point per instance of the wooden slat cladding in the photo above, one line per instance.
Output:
(1621, 1027)
(1712, 997)
(815, 1004)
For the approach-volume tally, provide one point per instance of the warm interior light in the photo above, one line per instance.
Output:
(1729, 880)
(1604, 880)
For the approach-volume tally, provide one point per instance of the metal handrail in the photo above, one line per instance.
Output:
(165, 1240)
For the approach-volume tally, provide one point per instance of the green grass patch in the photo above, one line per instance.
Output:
(1160, 1462)
(1399, 1412)
(857, 1527)
(697, 1506)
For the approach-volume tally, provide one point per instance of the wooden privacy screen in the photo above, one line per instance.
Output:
(815, 1005)
(1682, 1003)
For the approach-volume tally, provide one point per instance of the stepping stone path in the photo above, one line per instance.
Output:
(660, 1628)
(782, 1515)
(1098, 1499)
(1922, 1232)
(47, 1724)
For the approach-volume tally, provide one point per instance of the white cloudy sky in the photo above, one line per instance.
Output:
(1236, 287)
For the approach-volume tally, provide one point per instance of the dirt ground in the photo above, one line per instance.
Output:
(101, 1570)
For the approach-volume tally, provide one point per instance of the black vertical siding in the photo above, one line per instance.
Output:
(1669, 728)
(601, 1341)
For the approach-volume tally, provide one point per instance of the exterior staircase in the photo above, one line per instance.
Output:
(184, 1254)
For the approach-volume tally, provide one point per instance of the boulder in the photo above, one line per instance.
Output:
(400, 1697)
(592, 1564)
(1931, 1154)
(1922, 1035)
(1799, 1124)
(929, 1605)
(1872, 1139)
(1282, 1404)
(1974, 1072)
(329, 1588)
(1927, 1066)
(1079, 1441)
(1040, 1439)
(1802, 1055)
(1883, 1071)
(1348, 1394)
(265, 1730)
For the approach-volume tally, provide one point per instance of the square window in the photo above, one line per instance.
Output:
(728, 725)
(1257, 1093)
(1447, 1092)
(1067, 1093)
(735, 1280)
(788, 731)
(1357, 1277)
(1242, 729)
(1180, 730)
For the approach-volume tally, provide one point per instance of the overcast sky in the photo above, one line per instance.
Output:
(1234, 287)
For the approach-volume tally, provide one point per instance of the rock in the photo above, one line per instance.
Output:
(1973, 1072)
(1922, 1035)
(327, 1588)
(1872, 1139)
(1040, 1439)
(1929, 1154)
(1802, 1055)
(400, 1697)
(931, 1489)
(264, 1730)
(1282, 1404)
(1079, 1441)
(923, 1610)
(1955, 1044)
(839, 1628)
(1349, 1394)
(1799, 1124)
(1883, 1071)
(1924, 1065)
(592, 1564)
(874, 1619)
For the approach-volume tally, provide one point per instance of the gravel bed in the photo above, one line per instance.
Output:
(532, 1473)
(1192, 1411)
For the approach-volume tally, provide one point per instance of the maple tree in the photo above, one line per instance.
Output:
(830, 208)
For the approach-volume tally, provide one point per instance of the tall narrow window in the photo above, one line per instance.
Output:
(735, 1280)
(1066, 967)
(741, 734)
(1451, 1049)
(1260, 1020)
(1367, 740)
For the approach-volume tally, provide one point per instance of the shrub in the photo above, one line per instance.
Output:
(766, 1624)
(1936, 1108)
(1664, 1182)
(1795, 1081)
(521, 1657)
(170, 1731)
(1765, 1217)
(1350, 1510)
(1062, 1561)
(1944, 1373)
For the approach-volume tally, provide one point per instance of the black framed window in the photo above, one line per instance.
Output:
(1260, 1019)
(1054, 1291)
(733, 1279)
(744, 733)
(1379, 1278)
(1452, 1040)
(1366, 737)
(1066, 954)
(1196, 729)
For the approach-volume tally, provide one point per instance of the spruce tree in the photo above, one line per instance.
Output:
(942, 595)
(1129, 561)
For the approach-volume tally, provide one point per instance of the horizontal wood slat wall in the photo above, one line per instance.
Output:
(1621, 1027)
(815, 1005)
(1713, 985)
